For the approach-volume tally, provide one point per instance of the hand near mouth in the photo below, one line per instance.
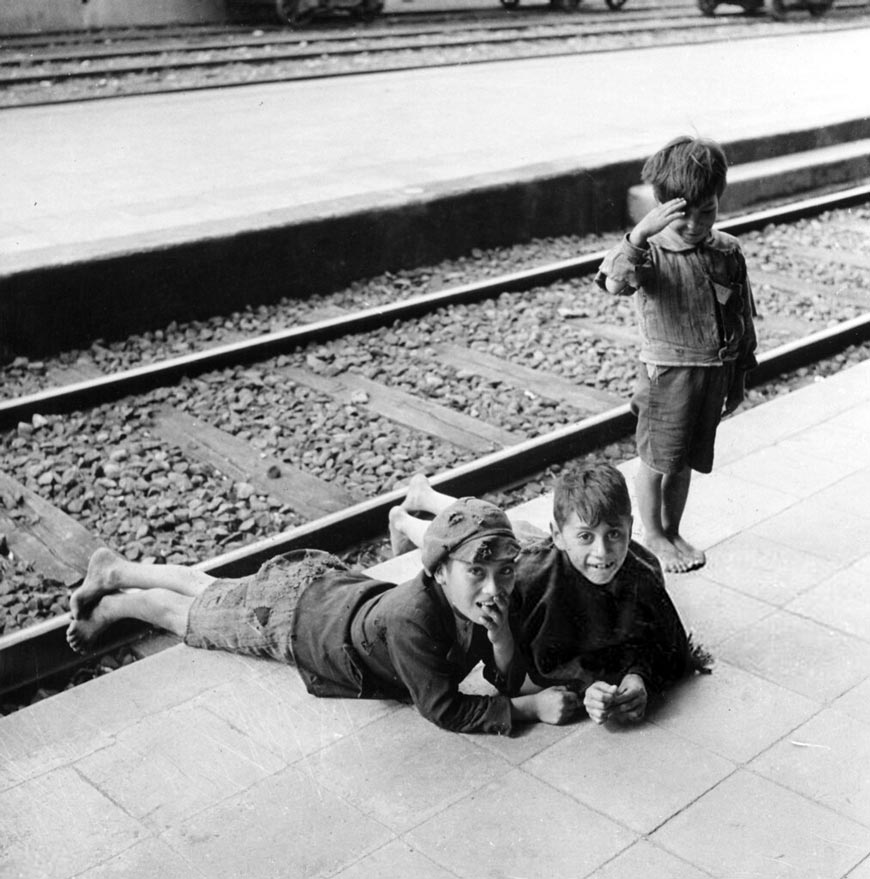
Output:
(494, 617)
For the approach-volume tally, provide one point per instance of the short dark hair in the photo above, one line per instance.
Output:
(693, 168)
(597, 492)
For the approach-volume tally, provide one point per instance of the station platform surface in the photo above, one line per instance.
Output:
(102, 177)
(192, 763)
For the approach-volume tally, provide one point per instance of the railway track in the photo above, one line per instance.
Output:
(482, 385)
(32, 73)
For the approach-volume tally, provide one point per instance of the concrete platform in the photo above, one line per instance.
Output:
(203, 764)
(144, 210)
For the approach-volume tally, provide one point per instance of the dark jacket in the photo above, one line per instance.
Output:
(574, 632)
(357, 637)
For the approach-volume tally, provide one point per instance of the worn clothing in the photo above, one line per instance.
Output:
(353, 636)
(695, 311)
(678, 411)
(575, 633)
(693, 303)
(254, 615)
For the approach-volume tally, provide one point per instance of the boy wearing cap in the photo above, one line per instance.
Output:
(348, 634)
(594, 615)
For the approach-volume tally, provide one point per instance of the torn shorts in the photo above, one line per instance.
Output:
(254, 615)
(678, 410)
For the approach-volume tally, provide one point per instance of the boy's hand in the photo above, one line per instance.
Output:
(736, 393)
(556, 705)
(598, 700)
(660, 217)
(494, 618)
(629, 704)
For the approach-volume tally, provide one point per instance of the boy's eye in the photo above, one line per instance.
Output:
(584, 536)
(508, 571)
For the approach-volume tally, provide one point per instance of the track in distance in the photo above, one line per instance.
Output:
(33, 75)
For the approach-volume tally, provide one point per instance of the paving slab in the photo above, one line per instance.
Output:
(839, 601)
(197, 763)
(815, 660)
(737, 715)
(751, 827)
(161, 770)
(520, 826)
(664, 771)
(819, 760)
(779, 573)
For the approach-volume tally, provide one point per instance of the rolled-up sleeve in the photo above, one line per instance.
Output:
(625, 264)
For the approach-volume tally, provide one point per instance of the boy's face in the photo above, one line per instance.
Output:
(470, 586)
(697, 220)
(598, 551)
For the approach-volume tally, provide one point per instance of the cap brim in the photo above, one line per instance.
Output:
(487, 548)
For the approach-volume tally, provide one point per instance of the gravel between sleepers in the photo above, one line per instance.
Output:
(105, 468)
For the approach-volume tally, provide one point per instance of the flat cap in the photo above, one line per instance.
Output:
(471, 530)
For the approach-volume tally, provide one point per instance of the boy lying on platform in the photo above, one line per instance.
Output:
(349, 634)
(593, 614)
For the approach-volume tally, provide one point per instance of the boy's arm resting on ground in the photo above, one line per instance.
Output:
(624, 267)
(423, 663)
(555, 705)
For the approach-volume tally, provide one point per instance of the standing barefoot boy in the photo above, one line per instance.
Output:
(695, 314)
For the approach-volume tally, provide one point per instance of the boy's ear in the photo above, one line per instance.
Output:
(438, 574)
(556, 534)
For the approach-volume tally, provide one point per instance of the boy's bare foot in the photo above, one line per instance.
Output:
(694, 557)
(97, 583)
(419, 494)
(672, 560)
(400, 543)
(81, 633)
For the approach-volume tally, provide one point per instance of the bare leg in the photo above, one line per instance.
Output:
(163, 608)
(675, 492)
(649, 488)
(109, 573)
(422, 498)
(406, 531)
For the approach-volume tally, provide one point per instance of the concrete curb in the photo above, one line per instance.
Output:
(52, 300)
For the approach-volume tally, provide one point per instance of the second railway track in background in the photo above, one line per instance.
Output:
(31, 72)
(213, 454)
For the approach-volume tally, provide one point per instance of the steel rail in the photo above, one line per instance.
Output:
(393, 44)
(400, 66)
(140, 379)
(40, 651)
(309, 38)
(401, 18)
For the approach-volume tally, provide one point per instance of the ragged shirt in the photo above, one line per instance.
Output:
(362, 638)
(575, 632)
(693, 302)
